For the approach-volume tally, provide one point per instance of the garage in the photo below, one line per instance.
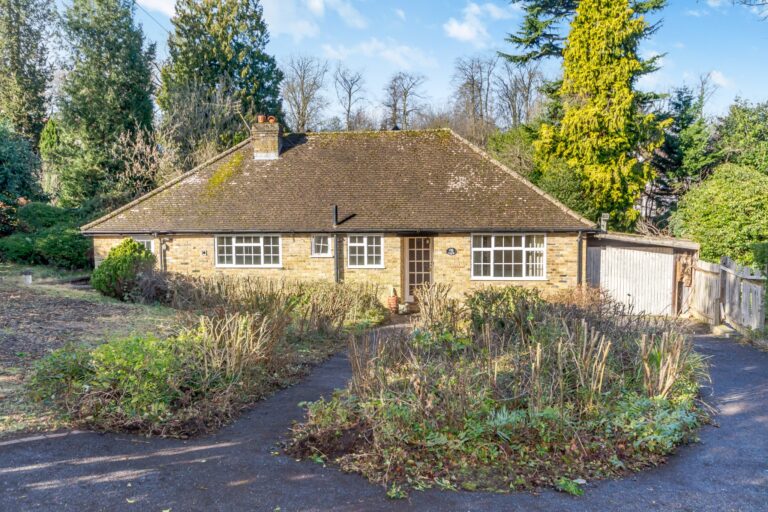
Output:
(649, 274)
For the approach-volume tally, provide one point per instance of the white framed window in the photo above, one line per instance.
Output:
(248, 251)
(365, 251)
(322, 246)
(148, 243)
(509, 256)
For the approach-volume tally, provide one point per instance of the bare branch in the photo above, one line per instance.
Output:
(302, 87)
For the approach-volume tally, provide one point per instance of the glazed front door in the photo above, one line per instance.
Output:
(418, 262)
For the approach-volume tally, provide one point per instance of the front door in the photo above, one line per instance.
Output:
(418, 264)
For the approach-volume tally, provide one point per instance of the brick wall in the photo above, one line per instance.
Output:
(194, 254)
(561, 266)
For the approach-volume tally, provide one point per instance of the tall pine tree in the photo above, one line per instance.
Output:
(222, 43)
(603, 131)
(25, 28)
(107, 91)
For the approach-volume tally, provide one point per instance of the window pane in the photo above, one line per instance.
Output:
(320, 245)
(374, 250)
(481, 241)
(271, 246)
(534, 241)
(535, 263)
(481, 263)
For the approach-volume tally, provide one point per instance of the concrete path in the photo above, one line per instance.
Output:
(239, 468)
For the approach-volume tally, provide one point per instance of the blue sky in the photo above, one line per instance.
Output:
(380, 38)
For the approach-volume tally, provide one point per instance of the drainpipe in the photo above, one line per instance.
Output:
(336, 269)
(580, 242)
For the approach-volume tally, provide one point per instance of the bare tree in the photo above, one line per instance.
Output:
(517, 90)
(146, 164)
(302, 91)
(473, 97)
(199, 123)
(349, 88)
(402, 95)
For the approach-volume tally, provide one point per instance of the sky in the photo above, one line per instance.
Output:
(426, 37)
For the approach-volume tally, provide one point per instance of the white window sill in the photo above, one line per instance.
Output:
(248, 266)
(356, 267)
(325, 256)
(473, 278)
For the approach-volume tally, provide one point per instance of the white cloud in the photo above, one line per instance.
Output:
(288, 18)
(720, 80)
(714, 3)
(400, 14)
(351, 16)
(696, 13)
(471, 28)
(401, 55)
(167, 7)
(679, 45)
(299, 18)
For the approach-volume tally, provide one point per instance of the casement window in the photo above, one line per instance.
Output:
(248, 251)
(148, 243)
(509, 257)
(322, 246)
(365, 251)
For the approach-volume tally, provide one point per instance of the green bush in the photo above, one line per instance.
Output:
(142, 376)
(58, 246)
(36, 216)
(118, 275)
(63, 247)
(62, 376)
(726, 214)
(19, 248)
(8, 215)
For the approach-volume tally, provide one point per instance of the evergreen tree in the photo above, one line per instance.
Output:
(19, 165)
(541, 34)
(107, 91)
(222, 43)
(742, 135)
(603, 130)
(24, 68)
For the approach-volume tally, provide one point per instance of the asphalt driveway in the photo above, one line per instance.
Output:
(239, 468)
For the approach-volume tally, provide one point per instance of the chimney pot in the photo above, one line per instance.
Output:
(267, 139)
(272, 119)
(261, 118)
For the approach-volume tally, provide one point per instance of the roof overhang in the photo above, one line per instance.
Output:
(653, 241)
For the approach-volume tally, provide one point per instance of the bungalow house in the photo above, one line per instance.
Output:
(394, 208)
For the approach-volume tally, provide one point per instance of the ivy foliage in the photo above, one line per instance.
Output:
(727, 214)
(603, 128)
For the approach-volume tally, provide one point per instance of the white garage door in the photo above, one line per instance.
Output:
(640, 277)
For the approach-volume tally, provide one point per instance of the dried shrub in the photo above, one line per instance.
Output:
(509, 388)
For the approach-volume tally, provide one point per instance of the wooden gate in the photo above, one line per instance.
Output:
(729, 292)
(640, 277)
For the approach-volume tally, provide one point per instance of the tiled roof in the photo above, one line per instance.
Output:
(389, 181)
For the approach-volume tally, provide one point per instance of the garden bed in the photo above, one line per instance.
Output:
(509, 392)
(235, 340)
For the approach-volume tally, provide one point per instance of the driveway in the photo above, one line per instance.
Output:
(239, 468)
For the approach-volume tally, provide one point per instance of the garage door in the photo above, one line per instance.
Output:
(640, 277)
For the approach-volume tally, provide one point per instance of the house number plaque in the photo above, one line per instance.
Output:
(451, 251)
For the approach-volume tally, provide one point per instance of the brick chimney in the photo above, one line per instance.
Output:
(267, 137)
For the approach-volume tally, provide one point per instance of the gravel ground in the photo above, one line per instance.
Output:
(240, 468)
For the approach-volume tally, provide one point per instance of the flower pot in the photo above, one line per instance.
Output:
(392, 302)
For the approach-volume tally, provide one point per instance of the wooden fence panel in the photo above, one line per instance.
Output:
(705, 299)
(729, 292)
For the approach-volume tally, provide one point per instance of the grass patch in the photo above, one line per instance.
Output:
(13, 273)
(507, 391)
